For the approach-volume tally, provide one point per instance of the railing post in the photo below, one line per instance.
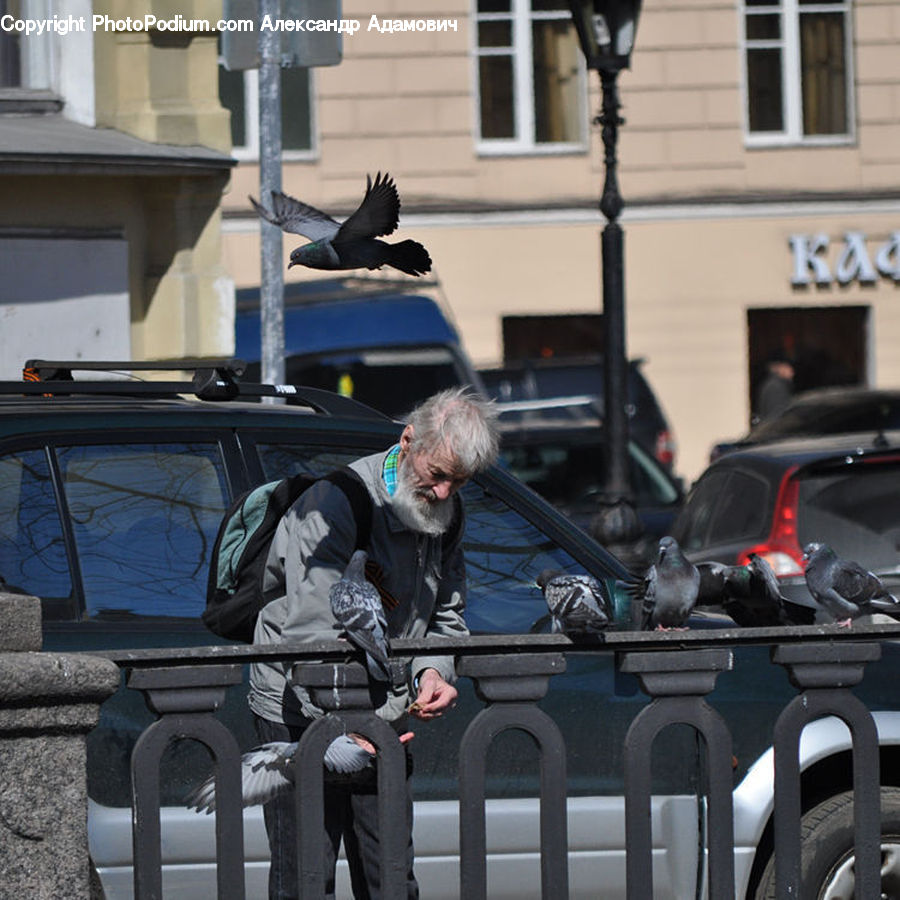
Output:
(48, 704)
(511, 686)
(677, 681)
(185, 698)
(342, 690)
(824, 673)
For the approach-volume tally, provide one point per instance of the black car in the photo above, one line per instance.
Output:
(564, 456)
(842, 410)
(772, 499)
(579, 377)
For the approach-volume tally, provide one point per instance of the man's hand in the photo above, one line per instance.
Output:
(435, 695)
(369, 747)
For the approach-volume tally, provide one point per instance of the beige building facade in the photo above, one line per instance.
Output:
(114, 154)
(739, 202)
(759, 162)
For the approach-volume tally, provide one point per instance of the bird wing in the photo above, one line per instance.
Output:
(292, 215)
(267, 771)
(648, 606)
(580, 606)
(377, 215)
(852, 581)
(264, 773)
(345, 755)
(358, 609)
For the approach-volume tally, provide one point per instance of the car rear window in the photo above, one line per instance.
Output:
(855, 510)
(725, 506)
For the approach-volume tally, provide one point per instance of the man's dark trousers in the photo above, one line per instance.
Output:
(351, 813)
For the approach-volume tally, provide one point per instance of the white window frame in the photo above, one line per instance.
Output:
(522, 53)
(789, 44)
(249, 152)
(61, 64)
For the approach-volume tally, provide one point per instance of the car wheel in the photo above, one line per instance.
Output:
(826, 832)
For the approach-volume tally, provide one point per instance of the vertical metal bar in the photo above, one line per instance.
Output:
(186, 698)
(677, 681)
(824, 673)
(512, 687)
(613, 256)
(271, 290)
(393, 836)
(473, 749)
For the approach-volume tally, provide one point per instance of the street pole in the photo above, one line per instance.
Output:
(616, 522)
(271, 292)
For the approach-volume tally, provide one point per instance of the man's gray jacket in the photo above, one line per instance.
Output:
(424, 580)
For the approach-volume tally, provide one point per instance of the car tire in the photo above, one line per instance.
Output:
(826, 833)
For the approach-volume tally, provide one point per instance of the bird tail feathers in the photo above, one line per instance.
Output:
(410, 257)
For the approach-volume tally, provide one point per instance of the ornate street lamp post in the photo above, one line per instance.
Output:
(606, 30)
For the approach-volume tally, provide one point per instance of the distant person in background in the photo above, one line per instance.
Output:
(777, 387)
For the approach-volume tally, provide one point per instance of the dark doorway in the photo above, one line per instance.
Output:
(542, 337)
(828, 346)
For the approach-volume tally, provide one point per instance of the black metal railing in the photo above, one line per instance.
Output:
(510, 673)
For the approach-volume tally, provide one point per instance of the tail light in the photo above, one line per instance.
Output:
(665, 448)
(782, 548)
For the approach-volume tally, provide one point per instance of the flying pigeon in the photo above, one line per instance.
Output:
(844, 588)
(353, 244)
(356, 604)
(669, 589)
(268, 770)
(577, 603)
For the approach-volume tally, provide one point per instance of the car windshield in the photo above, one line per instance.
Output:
(570, 472)
(856, 511)
(832, 417)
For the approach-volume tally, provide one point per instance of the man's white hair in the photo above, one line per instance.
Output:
(461, 421)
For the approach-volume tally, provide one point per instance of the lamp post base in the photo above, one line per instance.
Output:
(617, 527)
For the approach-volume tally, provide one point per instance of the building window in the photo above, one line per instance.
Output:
(797, 71)
(25, 62)
(529, 75)
(239, 93)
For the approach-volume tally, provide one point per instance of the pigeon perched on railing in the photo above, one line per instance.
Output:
(268, 770)
(669, 589)
(353, 244)
(578, 604)
(750, 594)
(844, 588)
(357, 606)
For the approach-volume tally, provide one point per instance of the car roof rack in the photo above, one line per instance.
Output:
(213, 380)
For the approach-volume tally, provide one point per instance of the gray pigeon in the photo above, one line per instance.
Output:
(268, 770)
(669, 589)
(844, 588)
(577, 603)
(750, 594)
(353, 244)
(356, 604)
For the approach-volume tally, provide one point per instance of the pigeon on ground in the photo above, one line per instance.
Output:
(268, 770)
(750, 594)
(356, 604)
(669, 589)
(353, 244)
(844, 588)
(577, 603)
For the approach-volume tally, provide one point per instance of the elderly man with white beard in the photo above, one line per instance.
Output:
(416, 562)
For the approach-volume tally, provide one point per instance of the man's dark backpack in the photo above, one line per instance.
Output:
(234, 594)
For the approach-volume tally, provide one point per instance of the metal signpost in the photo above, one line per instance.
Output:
(270, 49)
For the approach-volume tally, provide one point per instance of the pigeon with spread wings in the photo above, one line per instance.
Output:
(354, 243)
